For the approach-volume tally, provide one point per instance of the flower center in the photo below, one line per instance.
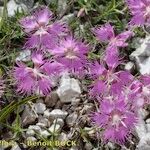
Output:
(34, 72)
(70, 53)
(41, 31)
(116, 119)
(101, 77)
(113, 40)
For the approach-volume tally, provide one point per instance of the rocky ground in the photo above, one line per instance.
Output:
(63, 115)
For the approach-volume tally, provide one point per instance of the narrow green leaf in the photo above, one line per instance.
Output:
(13, 106)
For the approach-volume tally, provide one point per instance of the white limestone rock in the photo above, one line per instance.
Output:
(142, 132)
(51, 99)
(141, 56)
(29, 116)
(47, 113)
(39, 108)
(24, 55)
(129, 66)
(30, 132)
(69, 89)
(45, 133)
(57, 113)
(13, 7)
(140, 127)
(144, 143)
(71, 119)
(35, 128)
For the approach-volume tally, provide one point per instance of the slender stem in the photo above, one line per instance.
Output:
(4, 17)
(5, 9)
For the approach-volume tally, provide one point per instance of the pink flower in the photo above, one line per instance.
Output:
(135, 98)
(122, 81)
(140, 11)
(52, 67)
(36, 79)
(112, 57)
(106, 33)
(116, 119)
(139, 97)
(42, 33)
(72, 54)
(135, 91)
(99, 77)
(107, 81)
